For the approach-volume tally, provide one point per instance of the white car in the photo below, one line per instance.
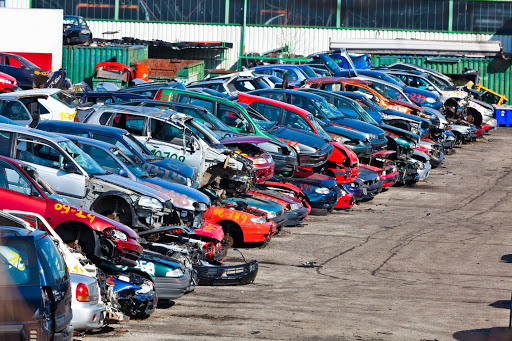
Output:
(28, 107)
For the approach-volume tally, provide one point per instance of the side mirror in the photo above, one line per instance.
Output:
(122, 172)
(70, 167)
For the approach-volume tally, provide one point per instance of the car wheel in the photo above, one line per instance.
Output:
(232, 232)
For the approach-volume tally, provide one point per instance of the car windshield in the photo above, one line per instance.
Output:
(309, 71)
(437, 82)
(329, 110)
(381, 89)
(398, 80)
(366, 117)
(138, 148)
(66, 99)
(137, 170)
(331, 63)
(84, 160)
(318, 127)
(245, 85)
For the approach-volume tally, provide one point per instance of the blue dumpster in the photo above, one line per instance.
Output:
(503, 114)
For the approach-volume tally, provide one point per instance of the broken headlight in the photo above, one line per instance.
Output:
(116, 234)
(294, 207)
(260, 220)
(174, 273)
(322, 190)
(150, 204)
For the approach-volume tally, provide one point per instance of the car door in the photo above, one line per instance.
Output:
(56, 279)
(17, 192)
(234, 119)
(173, 142)
(51, 164)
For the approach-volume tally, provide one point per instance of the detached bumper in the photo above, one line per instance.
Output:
(227, 275)
(170, 288)
(295, 217)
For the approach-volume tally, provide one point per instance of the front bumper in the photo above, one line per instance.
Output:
(170, 288)
(345, 201)
(257, 233)
(324, 202)
(279, 221)
(343, 175)
(263, 172)
(372, 190)
(295, 217)
(127, 252)
(86, 316)
(227, 275)
(312, 160)
(389, 180)
(424, 172)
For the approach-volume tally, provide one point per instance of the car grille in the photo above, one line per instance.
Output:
(371, 182)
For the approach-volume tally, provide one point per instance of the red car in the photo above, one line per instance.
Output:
(343, 164)
(100, 238)
(7, 83)
(242, 226)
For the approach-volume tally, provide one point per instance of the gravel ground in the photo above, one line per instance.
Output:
(422, 263)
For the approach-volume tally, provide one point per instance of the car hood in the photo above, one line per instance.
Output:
(367, 174)
(255, 202)
(175, 166)
(426, 93)
(405, 115)
(156, 257)
(400, 132)
(315, 179)
(244, 139)
(133, 186)
(181, 196)
(357, 125)
(348, 133)
(303, 141)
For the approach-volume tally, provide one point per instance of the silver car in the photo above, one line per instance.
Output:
(88, 309)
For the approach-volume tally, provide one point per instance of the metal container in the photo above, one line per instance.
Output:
(80, 60)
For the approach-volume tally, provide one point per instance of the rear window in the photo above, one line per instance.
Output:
(18, 264)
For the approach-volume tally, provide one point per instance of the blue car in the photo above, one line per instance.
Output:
(169, 169)
(297, 75)
(35, 288)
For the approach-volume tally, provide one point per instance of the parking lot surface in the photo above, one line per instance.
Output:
(431, 262)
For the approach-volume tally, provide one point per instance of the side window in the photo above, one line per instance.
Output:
(201, 103)
(294, 120)
(5, 143)
(232, 118)
(27, 101)
(166, 132)
(422, 84)
(53, 261)
(303, 103)
(332, 87)
(39, 153)
(104, 118)
(345, 108)
(69, 132)
(279, 73)
(271, 112)
(293, 75)
(274, 95)
(403, 78)
(13, 110)
(12, 180)
(115, 142)
(133, 123)
(13, 62)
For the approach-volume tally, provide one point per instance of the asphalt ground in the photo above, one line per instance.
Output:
(431, 262)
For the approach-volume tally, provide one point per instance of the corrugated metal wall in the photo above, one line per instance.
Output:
(495, 74)
(301, 41)
(17, 3)
(173, 33)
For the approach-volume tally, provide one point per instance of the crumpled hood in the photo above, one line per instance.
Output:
(367, 174)
(181, 196)
(134, 186)
(357, 125)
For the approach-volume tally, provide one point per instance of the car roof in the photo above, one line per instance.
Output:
(205, 96)
(407, 72)
(86, 140)
(290, 92)
(32, 132)
(23, 93)
(145, 111)
(335, 80)
(82, 126)
(280, 104)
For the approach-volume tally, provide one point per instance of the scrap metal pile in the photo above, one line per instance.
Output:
(145, 189)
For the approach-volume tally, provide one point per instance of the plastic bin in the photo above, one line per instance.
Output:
(97, 83)
(503, 114)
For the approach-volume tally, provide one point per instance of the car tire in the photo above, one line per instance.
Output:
(233, 232)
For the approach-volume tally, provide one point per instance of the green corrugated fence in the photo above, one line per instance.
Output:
(494, 73)
(80, 60)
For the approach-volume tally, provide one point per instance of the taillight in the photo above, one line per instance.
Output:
(82, 293)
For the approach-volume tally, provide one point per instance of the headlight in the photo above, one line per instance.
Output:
(150, 204)
(116, 234)
(271, 214)
(322, 190)
(294, 207)
(353, 184)
(174, 273)
(430, 100)
(259, 220)
(371, 136)
(189, 182)
(201, 207)
(260, 161)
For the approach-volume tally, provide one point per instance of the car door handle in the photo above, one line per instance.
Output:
(155, 146)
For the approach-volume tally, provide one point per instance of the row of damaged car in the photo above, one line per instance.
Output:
(149, 192)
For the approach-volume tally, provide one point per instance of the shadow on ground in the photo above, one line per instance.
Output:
(489, 334)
